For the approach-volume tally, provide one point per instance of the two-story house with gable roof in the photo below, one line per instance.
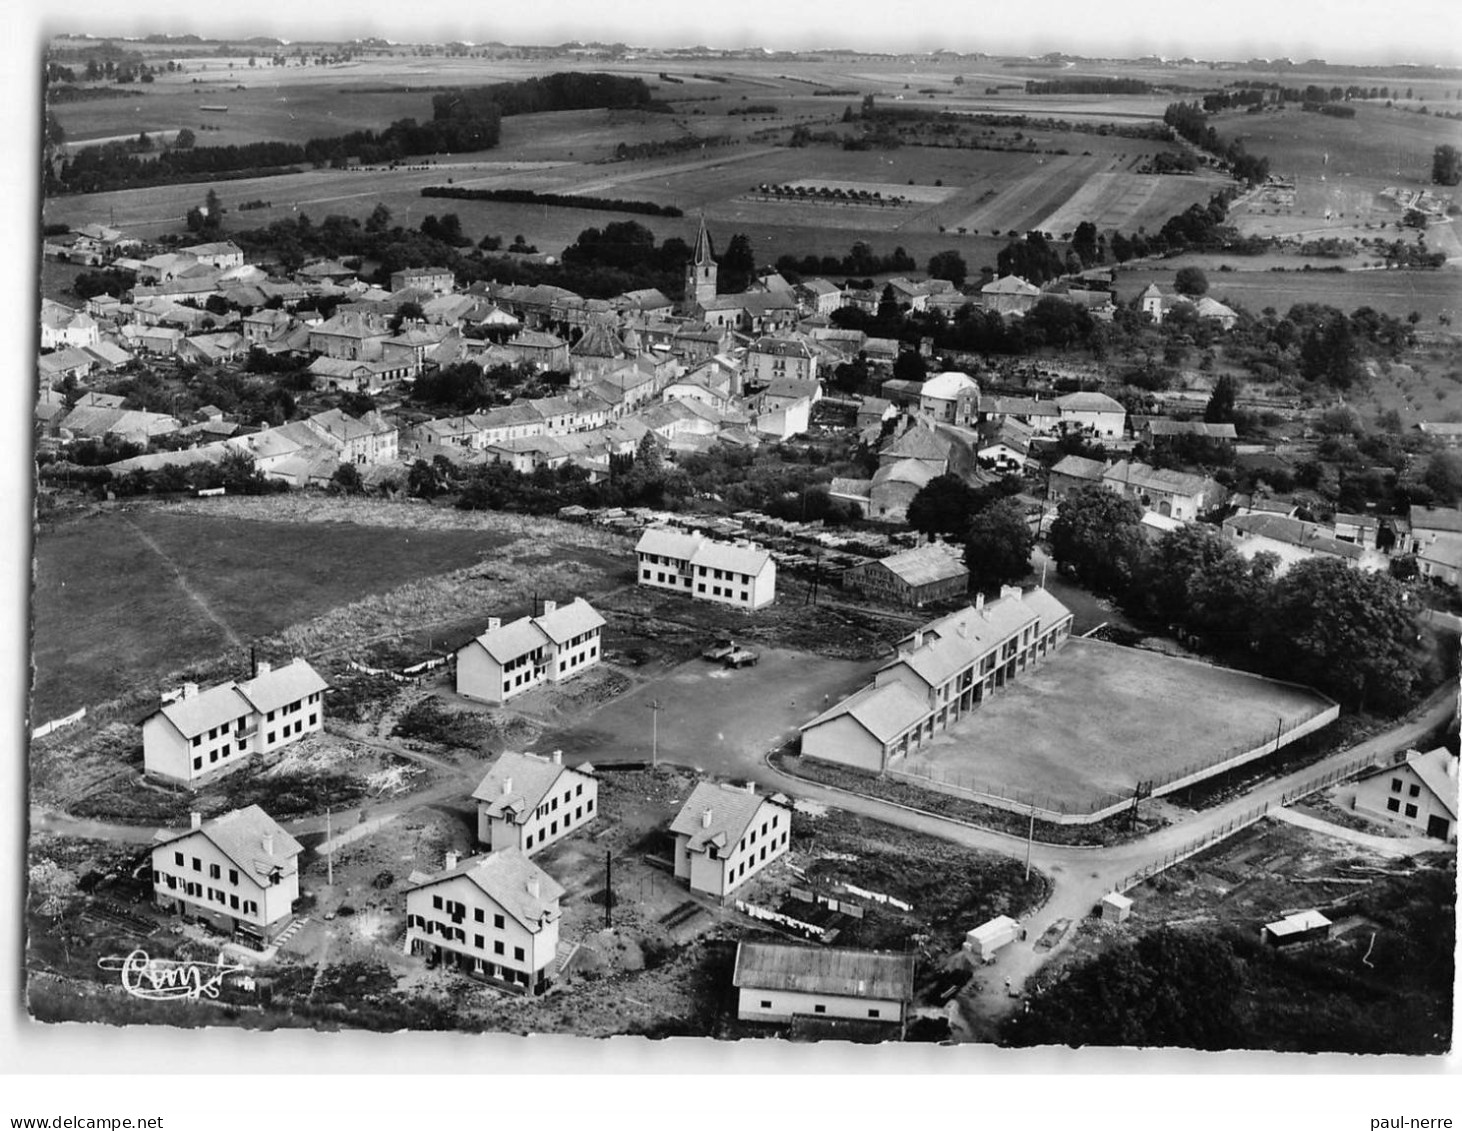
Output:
(508, 660)
(1417, 793)
(726, 834)
(741, 575)
(238, 872)
(196, 736)
(494, 917)
(528, 802)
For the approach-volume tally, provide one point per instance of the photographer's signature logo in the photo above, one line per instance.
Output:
(164, 979)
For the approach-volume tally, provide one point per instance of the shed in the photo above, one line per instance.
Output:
(1115, 907)
(1298, 927)
(987, 938)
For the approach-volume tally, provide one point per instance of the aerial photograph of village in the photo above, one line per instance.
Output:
(759, 543)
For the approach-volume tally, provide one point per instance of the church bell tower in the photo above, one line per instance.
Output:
(700, 272)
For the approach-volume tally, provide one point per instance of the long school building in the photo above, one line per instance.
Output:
(736, 574)
(942, 671)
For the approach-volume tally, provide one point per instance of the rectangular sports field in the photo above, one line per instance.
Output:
(1098, 718)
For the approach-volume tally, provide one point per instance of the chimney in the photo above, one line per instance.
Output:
(195, 820)
(507, 786)
(549, 606)
(533, 888)
(267, 842)
(1009, 591)
(494, 623)
(451, 860)
(190, 691)
(557, 758)
(979, 602)
(705, 818)
(264, 667)
(751, 787)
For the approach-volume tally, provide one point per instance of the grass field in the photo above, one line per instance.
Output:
(129, 595)
(1398, 293)
(1098, 718)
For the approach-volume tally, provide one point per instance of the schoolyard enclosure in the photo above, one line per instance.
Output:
(125, 597)
(1096, 719)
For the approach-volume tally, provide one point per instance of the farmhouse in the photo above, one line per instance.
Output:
(894, 486)
(1156, 431)
(1009, 295)
(1418, 793)
(494, 917)
(199, 735)
(63, 326)
(239, 873)
(771, 360)
(776, 982)
(913, 577)
(726, 834)
(350, 337)
(942, 671)
(1042, 417)
(951, 397)
(1436, 540)
(921, 444)
(437, 280)
(535, 347)
(367, 440)
(1005, 446)
(527, 802)
(1094, 414)
(222, 255)
(738, 574)
(1174, 494)
(507, 660)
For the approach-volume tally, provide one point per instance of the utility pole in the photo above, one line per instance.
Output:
(1030, 841)
(329, 853)
(608, 889)
(654, 733)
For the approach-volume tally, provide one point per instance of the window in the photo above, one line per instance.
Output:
(233, 875)
(436, 902)
(819, 1009)
(517, 954)
(873, 1013)
(1414, 791)
(1411, 810)
(197, 740)
(589, 805)
(271, 736)
(497, 948)
(478, 916)
(233, 902)
(1393, 804)
(579, 790)
(766, 1005)
(214, 872)
(554, 828)
(498, 922)
(197, 864)
(198, 763)
(477, 941)
(269, 718)
(1395, 785)
(178, 859)
(312, 719)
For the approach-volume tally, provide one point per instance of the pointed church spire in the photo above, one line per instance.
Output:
(702, 255)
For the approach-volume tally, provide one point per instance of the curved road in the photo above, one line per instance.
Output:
(1079, 876)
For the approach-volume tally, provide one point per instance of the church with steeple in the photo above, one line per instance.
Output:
(700, 272)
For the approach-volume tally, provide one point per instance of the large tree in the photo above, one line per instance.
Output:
(998, 545)
(1098, 537)
(1220, 407)
(1196, 579)
(948, 265)
(1350, 633)
(1446, 165)
(736, 269)
(943, 507)
(1190, 281)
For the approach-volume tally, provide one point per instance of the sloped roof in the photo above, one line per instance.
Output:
(568, 621)
(1157, 478)
(208, 709)
(518, 783)
(729, 556)
(1295, 532)
(911, 471)
(599, 341)
(1010, 285)
(509, 641)
(884, 711)
(1089, 402)
(1448, 519)
(1161, 426)
(240, 836)
(268, 691)
(948, 385)
(733, 811)
(1047, 608)
(668, 543)
(504, 877)
(1079, 467)
(824, 970)
(917, 443)
(923, 565)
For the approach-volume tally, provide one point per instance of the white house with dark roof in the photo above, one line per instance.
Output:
(776, 982)
(942, 671)
(737, 574)
(1293, 540)
(509, 659)
(200, 735)
(1418, 793)
(238, 872)
(726, 834)
(528, 801)
(1093, 414)
(494, 917)
(1175, 494)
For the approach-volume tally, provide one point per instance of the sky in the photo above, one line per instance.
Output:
(1348, 31)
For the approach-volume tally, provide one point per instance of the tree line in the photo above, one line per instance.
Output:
(1189, 120)
(555, 200)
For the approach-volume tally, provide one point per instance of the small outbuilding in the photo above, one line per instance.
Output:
(985, 941)
(1299, 927)
(1116, 908)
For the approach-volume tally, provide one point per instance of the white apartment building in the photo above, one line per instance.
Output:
(527, 801)
(736, 574)
(510, 659)
(495, 917)
(726, 834)
(238, 872)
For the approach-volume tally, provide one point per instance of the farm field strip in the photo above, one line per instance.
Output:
(1018, 204)
(1125, 201)
(921, 194)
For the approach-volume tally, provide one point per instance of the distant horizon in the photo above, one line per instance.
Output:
(1340, 32)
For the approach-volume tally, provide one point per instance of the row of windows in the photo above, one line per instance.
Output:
(754, 859)
(766, 826)
(215, 871)
(214, 732)
(457, 934)
(728, 594)
(816, 1008)
(1415, 790)
(211, 895)
(1394, 805)
(551, 806)
(580, 658)
(551, 829)
(459, 911)
(723, 575)
(292, 708)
